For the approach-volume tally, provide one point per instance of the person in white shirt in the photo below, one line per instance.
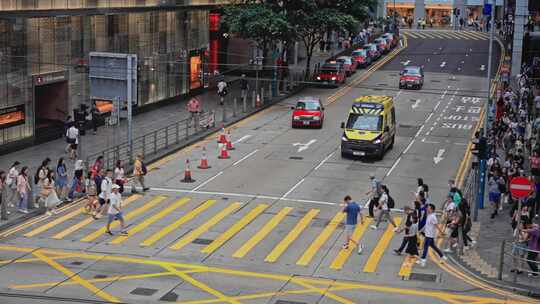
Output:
(104, 195)
(11, 183)
(430, 230)
(222, 91)
(384, 209)
(72, 135)
(115, 210)
(119, 178)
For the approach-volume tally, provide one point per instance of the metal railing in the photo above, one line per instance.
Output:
(156, 141)
(515, 264)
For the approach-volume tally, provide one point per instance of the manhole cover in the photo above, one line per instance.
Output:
(202, 241)
(139, 291)
(296, 157)
(100, 276)
(412, 100)
(406, 126)
(288, 302)
(77, 263)
(169, 297)
(425, 277)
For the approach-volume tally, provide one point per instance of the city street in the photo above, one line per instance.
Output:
(265, 226)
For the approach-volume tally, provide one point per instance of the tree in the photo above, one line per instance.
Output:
(257, 22)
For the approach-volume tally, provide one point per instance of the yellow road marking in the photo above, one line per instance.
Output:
(421, 35)
(469, 36)
(89, 220)
(376, 255)
(291, 236)
(147, 206)
(477, 35)
(184, 219)
(239, 225)
(76, 278)
(430, 35)
(102, 280)
(455, 35)
(190, 237)
(324, 292)
(154, 218)
(412, 35)
(344, 254)
(182, 275)
(321, 239)
(261, 234)
(54, 223)
(445, 35)
(30, 260)
(406, 267)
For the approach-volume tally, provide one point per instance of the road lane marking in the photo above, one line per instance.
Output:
(344, 254)
(147, 206)
(89, 220)
(241, 139)
(412, 35)
(291, 236)
(393, 167)
(408, 147)
(76, 278)
(469, 36)
(154, 218)
(308, 255)
(234, 229)
(429, 117)
(261, 234)
(406, 267)
(377, 253)
(245, 157)
(416, 104)
(194, 234)
(421, 35)
(292, 189)
(207, 181)
(54, 223)
(324, 160)
(184, 219)
(419, 130)
(302, 146)
(443, 64)
(429, 142)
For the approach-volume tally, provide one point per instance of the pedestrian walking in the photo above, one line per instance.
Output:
(139, 171)
(39, 178)
(422, 187)
(374, 194)
(73, 141)
(105, 193)
(115, 210)
(77, 189)
(409, 213)
(244, 86)
(222, 91)
(67, 124)
(49, 194)
(92, 201)
(494, 183)
(3, 203)
(62, 179)
(194, 109)
(11, 184)
(92, 117)
(353, 212)
(119, 177)
(23, 189)
(97, 166)
(386, 202)
(78, 169)
(430, 231)
(533, 247)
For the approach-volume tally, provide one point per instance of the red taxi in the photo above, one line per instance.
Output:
(331, 74)
(382, 45)
(411, 77)
(349, 64)
(308, 112)
(361, 57)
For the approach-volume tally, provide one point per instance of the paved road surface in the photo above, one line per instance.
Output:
(264, 226)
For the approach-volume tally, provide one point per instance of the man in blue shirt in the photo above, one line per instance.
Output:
(353, 211)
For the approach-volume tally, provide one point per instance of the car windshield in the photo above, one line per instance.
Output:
(307, 105)
(364, 122)
(344, 60)
(411, 72)
(359, 53)
(328, 70)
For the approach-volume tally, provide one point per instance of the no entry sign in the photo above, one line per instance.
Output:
(521, 187)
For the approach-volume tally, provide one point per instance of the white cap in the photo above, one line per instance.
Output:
(115, 186)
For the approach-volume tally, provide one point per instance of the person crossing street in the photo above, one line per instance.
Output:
(115, 210)
(353, 212)
(430, 230)
(386, 202)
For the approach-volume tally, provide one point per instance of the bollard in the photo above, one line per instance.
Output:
(253, 99)
(234, 107)
(244, 104)
(262, 96)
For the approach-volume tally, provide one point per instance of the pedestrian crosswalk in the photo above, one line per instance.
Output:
(302, 237)
(441, 34)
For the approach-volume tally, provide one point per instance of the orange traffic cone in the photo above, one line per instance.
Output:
(229, 145)
(222, 139)
(224, 153)
(204, 160)
(187, 174)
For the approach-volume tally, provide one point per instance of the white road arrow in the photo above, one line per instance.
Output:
(482, 67)
(416, 104)
(406, 62)
(303, 147)
(437, 159)
(443, 64)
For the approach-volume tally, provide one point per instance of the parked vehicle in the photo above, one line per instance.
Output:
(361, 57)
(349, 64)
(308, 112)
(331, 74)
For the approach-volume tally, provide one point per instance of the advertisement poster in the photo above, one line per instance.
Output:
(12, 116)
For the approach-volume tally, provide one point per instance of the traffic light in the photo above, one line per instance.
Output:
(482, 148)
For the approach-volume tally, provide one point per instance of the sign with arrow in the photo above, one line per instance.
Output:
(443, 64)
(416, 104)
(406, 62)
(303, 147)
(437, 159)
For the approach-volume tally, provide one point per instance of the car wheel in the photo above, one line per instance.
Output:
(380, 156)
(293, 126)
(392, 142)
(320, 126)
(343, 154)
(400, 87)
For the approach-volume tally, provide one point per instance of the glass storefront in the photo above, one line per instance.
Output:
(78, 4)
(44, 61)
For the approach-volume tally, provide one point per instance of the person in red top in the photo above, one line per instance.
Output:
(535, 163)
(499, 109)
(194, 108)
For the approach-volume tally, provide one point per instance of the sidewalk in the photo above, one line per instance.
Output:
(143, 123)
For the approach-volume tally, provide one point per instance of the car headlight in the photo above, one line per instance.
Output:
(296, 117)
(417, 81)
(402, 80)
(333, 78)
(318, 77)
(316, 118)
(377, 141)
(344, 138)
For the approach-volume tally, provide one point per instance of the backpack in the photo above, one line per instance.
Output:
(426, 188)
(391, 204)
(143, 168)
(378, 188)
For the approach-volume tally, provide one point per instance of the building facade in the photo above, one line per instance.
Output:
(45, 46)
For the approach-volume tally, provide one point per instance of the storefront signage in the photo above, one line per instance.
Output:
(50, 78)
(12, 116)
